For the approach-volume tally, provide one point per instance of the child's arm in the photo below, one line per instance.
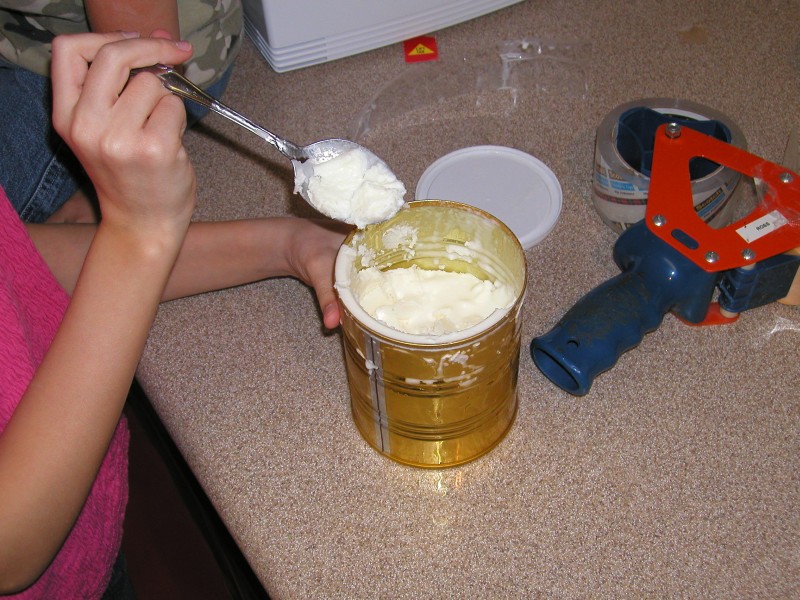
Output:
(144, 16)
(220, 255)
(130, 144)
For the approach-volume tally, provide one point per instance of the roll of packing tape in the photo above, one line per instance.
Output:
(623, 153)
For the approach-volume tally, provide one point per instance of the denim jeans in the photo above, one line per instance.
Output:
(37, 169)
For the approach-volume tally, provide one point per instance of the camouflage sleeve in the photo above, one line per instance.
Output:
(214, 27)
(28, 26)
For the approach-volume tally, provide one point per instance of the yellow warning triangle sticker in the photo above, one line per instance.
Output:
(421, 48)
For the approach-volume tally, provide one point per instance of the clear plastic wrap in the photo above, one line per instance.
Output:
(490, 97)
(488, 82)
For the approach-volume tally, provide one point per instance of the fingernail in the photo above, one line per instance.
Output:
(183, 45)
(130, 34)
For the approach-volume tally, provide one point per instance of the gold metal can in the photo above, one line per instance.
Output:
(433, 401)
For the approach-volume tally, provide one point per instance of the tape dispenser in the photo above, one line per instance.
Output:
(672, 261)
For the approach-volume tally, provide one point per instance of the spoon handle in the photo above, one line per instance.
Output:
(180, 86)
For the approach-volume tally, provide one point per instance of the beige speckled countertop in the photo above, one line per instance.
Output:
(678, 475)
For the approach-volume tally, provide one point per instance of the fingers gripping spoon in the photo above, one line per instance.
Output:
(360, 189)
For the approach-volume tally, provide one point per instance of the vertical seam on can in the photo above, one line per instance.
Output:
(377, 391)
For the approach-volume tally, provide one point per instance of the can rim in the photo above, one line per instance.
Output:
(374, 327)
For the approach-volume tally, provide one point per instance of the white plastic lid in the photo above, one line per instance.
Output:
(513, 186)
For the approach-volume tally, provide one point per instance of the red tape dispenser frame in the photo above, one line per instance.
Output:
(772, 228)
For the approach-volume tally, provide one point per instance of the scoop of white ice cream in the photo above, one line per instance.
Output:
(355, 187)
(423, 302)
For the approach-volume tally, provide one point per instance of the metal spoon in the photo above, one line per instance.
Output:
(317, 152)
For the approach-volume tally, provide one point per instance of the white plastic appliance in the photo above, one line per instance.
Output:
(300, 33)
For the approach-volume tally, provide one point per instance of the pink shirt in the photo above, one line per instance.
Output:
(32, 304)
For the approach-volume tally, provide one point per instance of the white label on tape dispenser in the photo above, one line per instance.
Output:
(762, 226)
